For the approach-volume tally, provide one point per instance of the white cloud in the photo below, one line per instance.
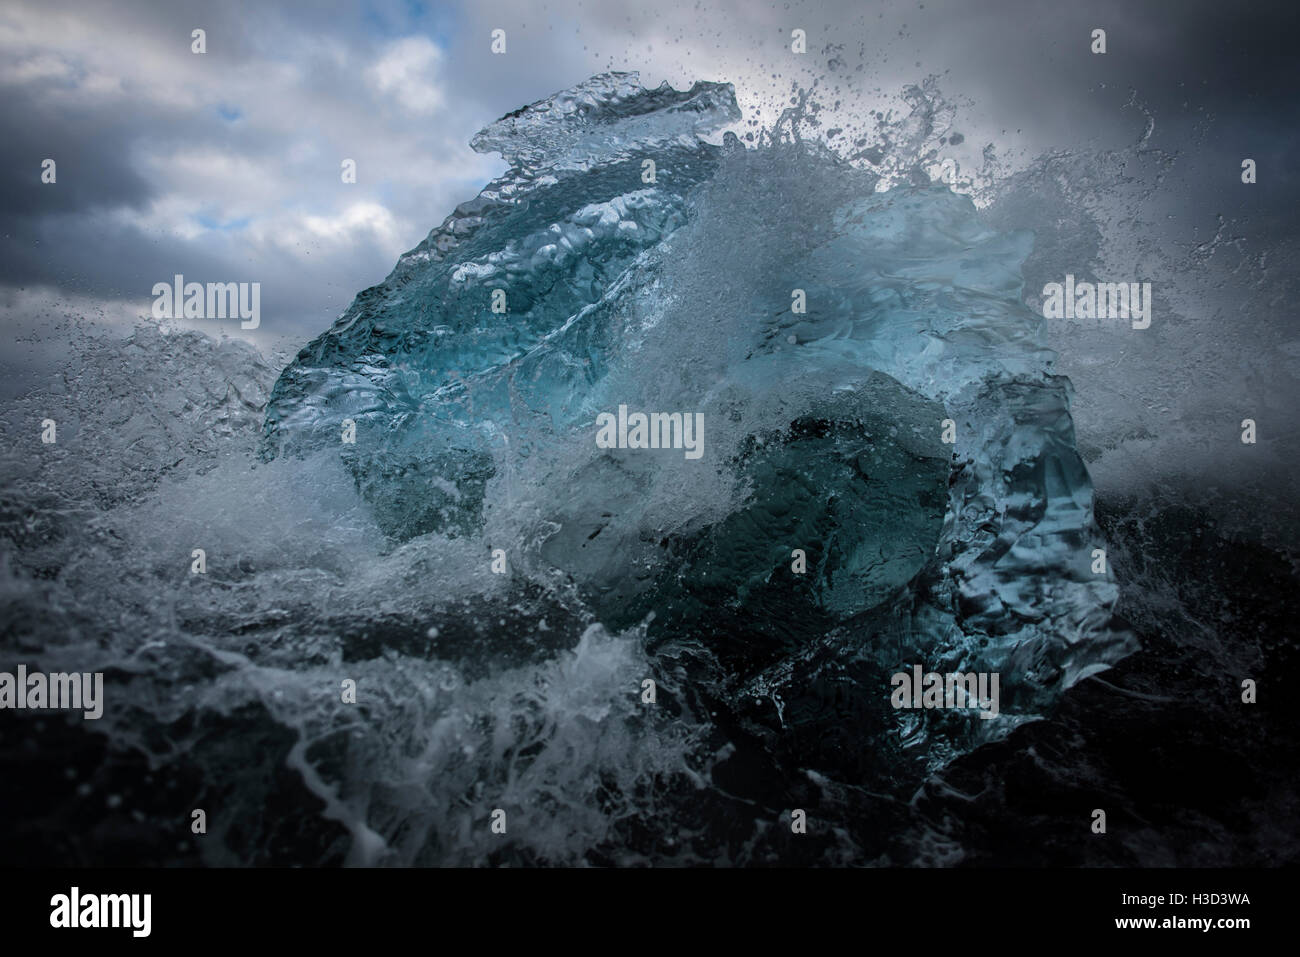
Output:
(370, 218)
(42, 66)
(406, 73)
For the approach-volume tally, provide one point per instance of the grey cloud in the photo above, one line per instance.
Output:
(297, 73)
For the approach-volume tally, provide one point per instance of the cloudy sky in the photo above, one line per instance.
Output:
(226, 166)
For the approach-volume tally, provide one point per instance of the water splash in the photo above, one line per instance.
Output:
(479, 691)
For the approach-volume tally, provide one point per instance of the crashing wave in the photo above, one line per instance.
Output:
(680, 292)
(823, 431)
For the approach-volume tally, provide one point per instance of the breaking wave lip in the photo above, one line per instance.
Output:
(521, 692)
